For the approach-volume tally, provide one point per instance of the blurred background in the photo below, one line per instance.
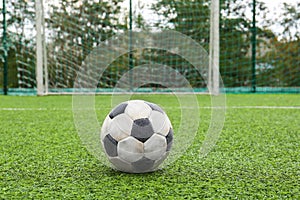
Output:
(259, 41)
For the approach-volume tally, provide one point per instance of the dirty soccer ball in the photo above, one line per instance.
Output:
(137, 136)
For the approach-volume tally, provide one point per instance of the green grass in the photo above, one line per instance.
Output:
(257, 155)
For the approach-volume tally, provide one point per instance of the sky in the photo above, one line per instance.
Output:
(275, 7)
(275, 3)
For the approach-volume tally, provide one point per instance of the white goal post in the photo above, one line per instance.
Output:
(41, 54)
(214, 49)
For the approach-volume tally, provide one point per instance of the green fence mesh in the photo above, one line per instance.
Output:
(73, 28)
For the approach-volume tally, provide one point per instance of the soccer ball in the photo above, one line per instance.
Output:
(137, 136)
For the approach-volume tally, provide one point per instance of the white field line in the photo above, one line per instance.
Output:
(201, 107)
(242, 107)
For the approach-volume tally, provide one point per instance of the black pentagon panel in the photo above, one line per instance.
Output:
(143, 165)
(155, 107)
(110, 145)
(169, 138)
(118, 110)
(142, 129)
(144, 122)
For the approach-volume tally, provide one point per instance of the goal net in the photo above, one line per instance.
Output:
(48, 41)
(52, 38)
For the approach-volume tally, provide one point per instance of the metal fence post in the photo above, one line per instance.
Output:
(5, 69)
(253, 46)
(130, 45)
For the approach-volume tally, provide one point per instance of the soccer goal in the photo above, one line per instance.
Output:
(59, 36)
(47, 45)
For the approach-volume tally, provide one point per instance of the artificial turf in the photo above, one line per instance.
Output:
(257, 155)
